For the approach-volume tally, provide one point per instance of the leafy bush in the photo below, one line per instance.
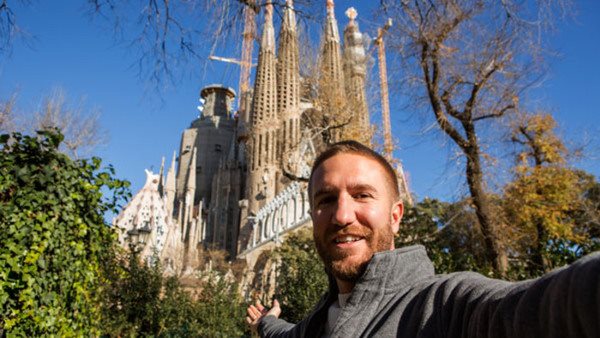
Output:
(301, 277)
(140, 301)
(53, 237)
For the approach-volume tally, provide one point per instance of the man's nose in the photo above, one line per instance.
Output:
(344, 214)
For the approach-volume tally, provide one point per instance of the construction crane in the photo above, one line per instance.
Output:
(385, 111)
(245, 63)
(385, 100)
(229, 60)
(247, 47)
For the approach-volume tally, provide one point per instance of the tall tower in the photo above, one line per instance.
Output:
(331, 82)
(355, 72)
(211, 134)
(288, 84)
(264, 121)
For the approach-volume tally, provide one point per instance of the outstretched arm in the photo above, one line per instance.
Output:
(563, 303)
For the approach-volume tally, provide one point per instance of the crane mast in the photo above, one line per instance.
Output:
(385, 100)
(247, 47)
(245, 62)
(385, 112)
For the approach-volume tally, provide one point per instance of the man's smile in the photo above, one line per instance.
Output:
(346, 239)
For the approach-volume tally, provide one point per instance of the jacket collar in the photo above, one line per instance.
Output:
(388, 271)
(395, 269)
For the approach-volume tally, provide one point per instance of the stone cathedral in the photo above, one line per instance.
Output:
(235, 182)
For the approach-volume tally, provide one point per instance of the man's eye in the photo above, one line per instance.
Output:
(326, 200)
(362, 195)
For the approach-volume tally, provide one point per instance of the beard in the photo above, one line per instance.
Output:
(349, 266)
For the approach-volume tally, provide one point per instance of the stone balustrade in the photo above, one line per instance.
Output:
(287, 211)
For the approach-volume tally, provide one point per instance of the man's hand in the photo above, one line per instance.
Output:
(256, 313)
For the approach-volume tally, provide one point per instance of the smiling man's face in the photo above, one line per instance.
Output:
(353, 213)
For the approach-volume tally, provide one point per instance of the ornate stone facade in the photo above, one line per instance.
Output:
(233, 187)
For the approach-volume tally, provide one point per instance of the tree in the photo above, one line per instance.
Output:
(54, 237)
(141, 300)
(468, 62)
(7, 118)
(449, 233)
(80, 127)
(301, 279)
(132, 296)
(220, 310)
(545, 197)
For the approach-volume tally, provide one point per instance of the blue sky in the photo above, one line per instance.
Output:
(79, 55)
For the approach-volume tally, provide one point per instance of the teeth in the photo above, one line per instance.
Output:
(346, 239)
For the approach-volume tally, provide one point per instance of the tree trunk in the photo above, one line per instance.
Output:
(539, 256)
(494, 250)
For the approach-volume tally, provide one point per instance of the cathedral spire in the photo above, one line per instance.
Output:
(190, 192)
(161, 178)
(265, 120)
(332, 33)
(330, 8)
(264, 105)
(289, 18)
(331, 81)
(288, 81)
(190, 185)
(354, 73)
(170, 187)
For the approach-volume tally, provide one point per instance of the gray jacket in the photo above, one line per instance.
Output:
(399, 295)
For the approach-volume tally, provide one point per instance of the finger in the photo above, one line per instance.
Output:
(256, 313)
(253, 308)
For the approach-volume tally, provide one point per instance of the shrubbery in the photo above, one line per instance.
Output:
(53, 238)
(301, 278)
(61, 270)
(140, 301)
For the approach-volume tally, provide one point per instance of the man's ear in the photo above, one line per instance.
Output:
(397, 212)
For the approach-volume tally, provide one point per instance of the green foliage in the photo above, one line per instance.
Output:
(301, 277)
(140, 301)
(220, 310)
(53, 238)
(450, 234)
(132, 297)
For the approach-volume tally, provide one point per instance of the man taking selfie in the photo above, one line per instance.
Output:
(376, 290)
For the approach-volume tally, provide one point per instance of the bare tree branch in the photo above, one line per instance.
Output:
(81, 127)
(171, 38)
(7, 114)
(9, 29)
